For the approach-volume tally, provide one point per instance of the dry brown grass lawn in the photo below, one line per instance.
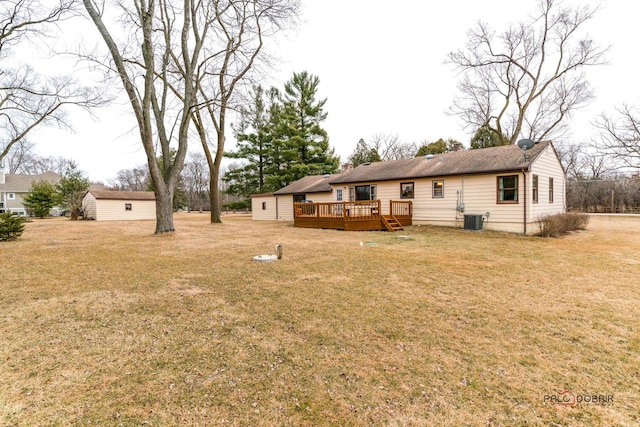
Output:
(106, 324)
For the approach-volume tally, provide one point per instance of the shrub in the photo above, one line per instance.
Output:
(560, 224)
(41, 198)
(11, 226)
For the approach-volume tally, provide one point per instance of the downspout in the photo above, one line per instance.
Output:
(276, 207)
(524, 176)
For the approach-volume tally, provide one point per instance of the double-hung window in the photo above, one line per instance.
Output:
(437, 189)
(507, 189)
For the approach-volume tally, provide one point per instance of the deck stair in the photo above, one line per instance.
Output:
(391, 223)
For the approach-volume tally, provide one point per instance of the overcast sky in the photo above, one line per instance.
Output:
(382, 69)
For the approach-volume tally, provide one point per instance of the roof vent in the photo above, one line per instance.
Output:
(366, 163)
(429, 156)
(326, 175)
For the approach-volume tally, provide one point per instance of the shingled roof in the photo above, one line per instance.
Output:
(309, 184)
(506, 158)
(21, 183)
(122, 195)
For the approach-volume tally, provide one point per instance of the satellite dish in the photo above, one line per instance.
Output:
(526, 144)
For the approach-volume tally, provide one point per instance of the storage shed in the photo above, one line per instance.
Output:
(109, 205)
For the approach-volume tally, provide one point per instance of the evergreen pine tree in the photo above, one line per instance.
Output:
(363, 154)
(40, 199)
(254, 137)
(71, 189)
(11, 226)
(486, 137)
(306, 144)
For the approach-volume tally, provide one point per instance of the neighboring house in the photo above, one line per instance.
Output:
(14, 187)
(107, 205)
(510, 190)
(279, 205)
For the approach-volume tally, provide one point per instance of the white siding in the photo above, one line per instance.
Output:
(480, 195)
(269, 204)
(476, 193)
(547, 166)
(114, 210)
(320, 197)
(285, 207)
(345, 192)
(89, 206)
(438, 210)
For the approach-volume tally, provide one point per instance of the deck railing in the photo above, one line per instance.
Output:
(347, 210)
(360, 215)
(401, 208)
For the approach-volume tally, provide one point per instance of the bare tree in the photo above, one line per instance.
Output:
(195, 177)
(28, 99)
(18, 156)
(390, 147)
(526, 81)
(181, 67)
(238, 32)
(161, 43)
(135, 179)
(22, 159)
(620, 137)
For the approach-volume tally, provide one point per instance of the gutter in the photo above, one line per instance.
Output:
(524, 213)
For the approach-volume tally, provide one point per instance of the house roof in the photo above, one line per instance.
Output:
(464, 162)
(21, 183)
(122, 195)
(309, 184)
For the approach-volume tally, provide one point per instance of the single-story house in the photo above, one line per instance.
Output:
(109, 205)
(279, 205)
(14, 188)
(498, 188)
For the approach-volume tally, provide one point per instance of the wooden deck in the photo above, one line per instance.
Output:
(362, 215)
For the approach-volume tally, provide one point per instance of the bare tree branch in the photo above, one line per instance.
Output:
(620, 137)
(526, 81)
(27, 99)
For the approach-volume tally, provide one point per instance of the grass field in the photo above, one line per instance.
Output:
(106, 324)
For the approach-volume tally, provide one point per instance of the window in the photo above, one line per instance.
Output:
(299, 198)
(406, 190)
(437, 188)
(365, 192)
(127, 207)
(508, 189)
(264, 206)
(11, 196)
(338, 194)
(550, 190)
(534, 189)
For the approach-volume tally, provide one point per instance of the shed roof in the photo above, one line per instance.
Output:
(464, 162)
(122, 195)
(309, 184)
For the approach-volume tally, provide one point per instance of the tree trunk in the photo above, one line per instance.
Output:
(214, 178)
(164, 211)
(215, 204)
